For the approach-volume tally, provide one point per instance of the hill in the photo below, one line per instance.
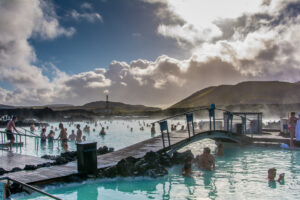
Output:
(119, 106)
(2, 106)
(244, 93)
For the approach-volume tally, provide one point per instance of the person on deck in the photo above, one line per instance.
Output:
(9, 131)
(63, 136)
(292, 126)
(206, 160)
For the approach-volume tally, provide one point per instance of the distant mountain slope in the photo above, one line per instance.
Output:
(120, 106)
(5, 106)
(255, 92)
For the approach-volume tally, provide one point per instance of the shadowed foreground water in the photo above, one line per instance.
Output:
(241, 174)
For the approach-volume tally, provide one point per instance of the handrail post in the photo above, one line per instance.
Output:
(189, 119)
(164, 127)
(211, 112)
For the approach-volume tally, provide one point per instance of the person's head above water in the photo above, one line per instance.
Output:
(61, 126)
(206, 150)
(293, 114)
(272, 173)
(78, 126)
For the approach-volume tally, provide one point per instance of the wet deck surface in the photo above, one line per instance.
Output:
(137, 150)
(9, 160)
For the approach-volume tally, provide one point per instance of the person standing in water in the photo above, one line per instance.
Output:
(292, 127)
(206, 160)
(9, 131)
(43, 135)
(79, 133)
(63, 136)
(220, 151)
(102, 132)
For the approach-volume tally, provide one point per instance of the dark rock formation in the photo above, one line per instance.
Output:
(30, 167)
(2, 171)
(16, 169)
(180, 157)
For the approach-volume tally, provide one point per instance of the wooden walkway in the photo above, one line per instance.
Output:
(47, 174)
(9, 160)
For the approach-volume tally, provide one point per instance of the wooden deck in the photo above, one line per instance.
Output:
(9, 160)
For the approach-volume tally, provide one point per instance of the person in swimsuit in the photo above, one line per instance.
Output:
(187, 167)
(272, 175)
(292, 127)
(102, 132)
(9, 131)
(51, 136)
(72, 137)
(43, 135)
(79, 133)
(220, 151)
(206, 160)
(63, 136)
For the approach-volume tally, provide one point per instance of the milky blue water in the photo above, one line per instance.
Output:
(240, 174)
(118, 135)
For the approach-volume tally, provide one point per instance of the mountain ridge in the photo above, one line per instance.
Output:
(249, 92)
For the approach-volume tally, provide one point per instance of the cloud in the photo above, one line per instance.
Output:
(86, 5)
(259, 41)
(35, 19)
(90, 17)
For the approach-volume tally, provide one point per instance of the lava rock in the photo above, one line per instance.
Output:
(165, 160)
(110, 172)
(152, 157)
(2, 171)
(105, 150)
(125, 166)
(61, 160)
(16, 169)
(178, 157)
(49, 157)
(30, 167)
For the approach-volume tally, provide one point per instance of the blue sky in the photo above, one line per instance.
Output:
(151, 52)
(128, 32)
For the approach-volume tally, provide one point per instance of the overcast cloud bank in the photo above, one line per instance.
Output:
(230, 43)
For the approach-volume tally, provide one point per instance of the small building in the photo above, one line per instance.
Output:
(243, 122)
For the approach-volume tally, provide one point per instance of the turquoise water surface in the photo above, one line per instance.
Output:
(240, 174)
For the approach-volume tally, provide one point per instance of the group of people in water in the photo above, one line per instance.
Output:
(205, 161)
